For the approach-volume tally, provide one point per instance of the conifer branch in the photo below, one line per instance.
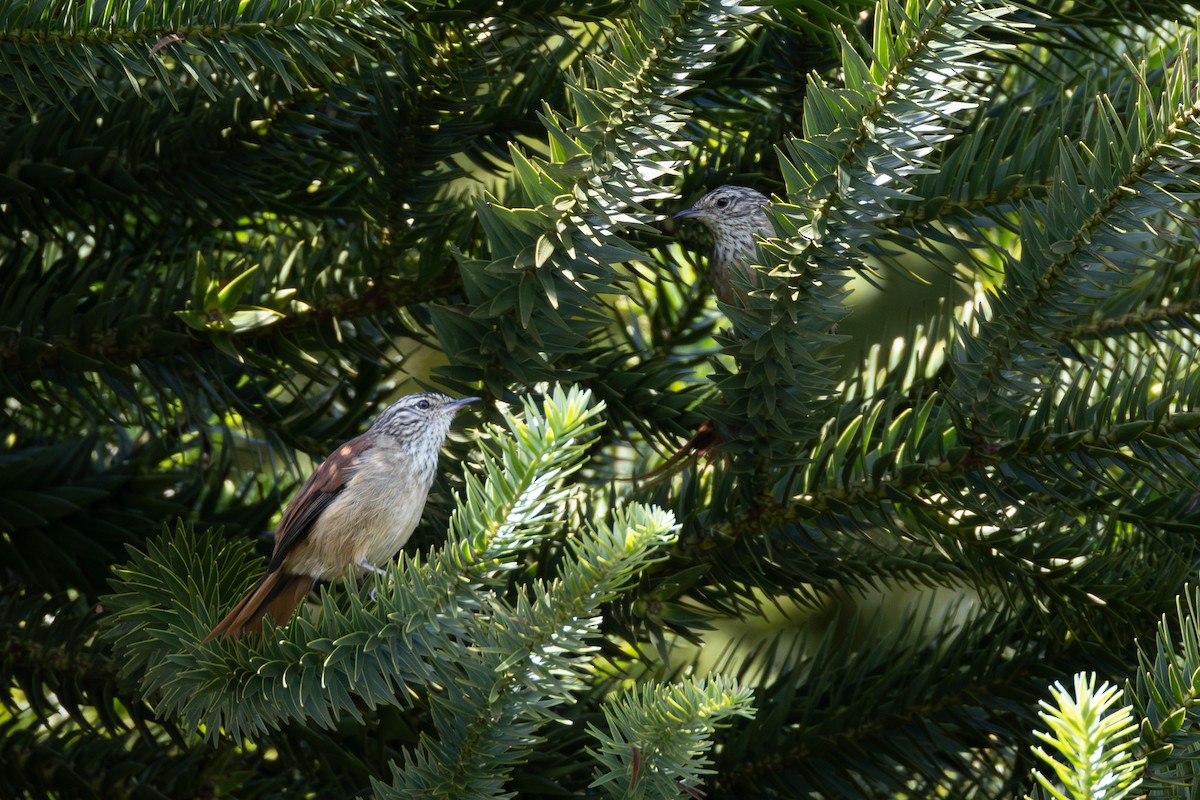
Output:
(1178, 314)
(156, 339)
(907, 480)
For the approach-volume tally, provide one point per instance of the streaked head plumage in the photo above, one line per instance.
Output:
(735, 215)
(423, 417)
(729, 205)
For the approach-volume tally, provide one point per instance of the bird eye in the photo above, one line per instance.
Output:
(722, 202)
(423, 405)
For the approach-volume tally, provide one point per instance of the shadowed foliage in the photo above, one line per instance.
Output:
(940, 463)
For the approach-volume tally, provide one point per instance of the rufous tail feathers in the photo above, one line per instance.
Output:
(277, 594)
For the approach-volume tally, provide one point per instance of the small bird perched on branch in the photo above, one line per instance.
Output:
(358, 508)
(734, 214)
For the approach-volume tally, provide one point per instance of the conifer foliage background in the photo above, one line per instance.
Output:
(957, 456)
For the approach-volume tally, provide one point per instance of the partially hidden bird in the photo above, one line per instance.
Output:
(358, 508)
(734, 214)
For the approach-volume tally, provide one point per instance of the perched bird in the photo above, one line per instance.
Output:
(733, 214)
(359, 507)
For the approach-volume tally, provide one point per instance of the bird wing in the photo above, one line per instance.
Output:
(322, 488)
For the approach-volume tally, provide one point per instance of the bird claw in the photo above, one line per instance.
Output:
(372, 568)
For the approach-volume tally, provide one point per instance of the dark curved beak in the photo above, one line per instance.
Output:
(457, 404)
(687, 213)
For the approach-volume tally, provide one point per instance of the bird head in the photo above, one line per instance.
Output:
(729, 206)
(420, 421)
